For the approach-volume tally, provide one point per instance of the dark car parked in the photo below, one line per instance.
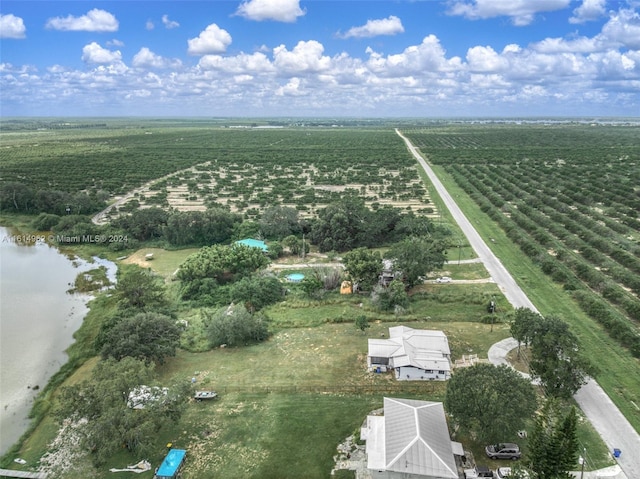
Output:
(503, 450)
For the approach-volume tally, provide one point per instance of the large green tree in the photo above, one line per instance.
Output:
(278, 222)
(145, 336)
(17, 197)
(144, 224)
(363, 266)
(553, 444)
(140, 290)
(215, 265)
(557, 360)
(256, 292)
(523, 326)
(342, 225)
(104, 419)
(490, 402)
(415, 257)
(201, 228)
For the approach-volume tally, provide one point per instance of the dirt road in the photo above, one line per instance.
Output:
(613, 427)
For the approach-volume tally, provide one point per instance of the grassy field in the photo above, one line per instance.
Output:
(164, 262)
(287, 403)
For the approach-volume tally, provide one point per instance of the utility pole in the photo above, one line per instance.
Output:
(492, 306)
(303, 248)
(581, 460)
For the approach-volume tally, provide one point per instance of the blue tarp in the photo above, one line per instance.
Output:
(171, 464)
(254, 243)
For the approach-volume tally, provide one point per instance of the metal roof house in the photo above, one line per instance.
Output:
(414, 354)
(411, 441)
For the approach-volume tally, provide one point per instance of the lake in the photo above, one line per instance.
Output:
(37, 321)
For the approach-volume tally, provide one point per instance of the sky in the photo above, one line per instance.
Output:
(327, 58)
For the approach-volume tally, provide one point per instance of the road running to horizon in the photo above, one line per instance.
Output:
(604, 415)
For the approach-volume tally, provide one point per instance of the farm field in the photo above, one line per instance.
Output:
(308, 380)
(568, 197)
(197, 165)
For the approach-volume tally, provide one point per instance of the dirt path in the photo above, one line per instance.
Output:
(101, 217)
(613, 427)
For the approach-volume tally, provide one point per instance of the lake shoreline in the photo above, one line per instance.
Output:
(26, 399)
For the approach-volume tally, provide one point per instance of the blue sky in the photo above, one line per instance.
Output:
(365, 58)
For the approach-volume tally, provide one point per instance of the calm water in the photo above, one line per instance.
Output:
(37, 321)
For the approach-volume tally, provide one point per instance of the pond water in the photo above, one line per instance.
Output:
(37, 321)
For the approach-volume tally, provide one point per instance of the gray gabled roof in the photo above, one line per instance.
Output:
(417, 439)
(421, 348)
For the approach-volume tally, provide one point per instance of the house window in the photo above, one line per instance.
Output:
(440, 372)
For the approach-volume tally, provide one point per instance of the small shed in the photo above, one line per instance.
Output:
(171, 464)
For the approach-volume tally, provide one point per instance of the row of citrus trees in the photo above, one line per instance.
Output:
(45, 171)
(575, 233)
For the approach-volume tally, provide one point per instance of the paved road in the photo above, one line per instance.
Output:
(613, 427)
(498, 272)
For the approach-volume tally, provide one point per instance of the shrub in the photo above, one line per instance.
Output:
(235, 326)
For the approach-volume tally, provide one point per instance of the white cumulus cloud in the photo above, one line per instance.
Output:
(12, 26)
(485, 59)
(521, 12)
(95, 20)
(386, 26)
(169, 24)
(589, 10)
(145, 58)
(623, 27)
(561, 45)
(239, 64)
(292, 88)
(305, 56)
(279, 10)
(212, 39)
(94, 53)
(428, 57)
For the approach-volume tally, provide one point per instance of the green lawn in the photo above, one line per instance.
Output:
(164, 262)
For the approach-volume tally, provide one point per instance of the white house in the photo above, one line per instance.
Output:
(414, 354)
(411, 441)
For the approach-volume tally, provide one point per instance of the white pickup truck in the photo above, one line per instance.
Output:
(478, 471)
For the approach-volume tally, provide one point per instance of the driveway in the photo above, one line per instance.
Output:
(613, 427)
